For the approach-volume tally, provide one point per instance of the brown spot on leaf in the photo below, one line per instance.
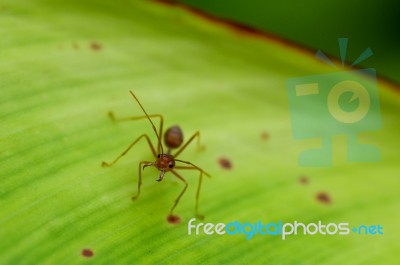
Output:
(324, 197)
(173, 219)
(264, 135)
(225, 163)
(95, 46)
(87, 253)
(303, 180)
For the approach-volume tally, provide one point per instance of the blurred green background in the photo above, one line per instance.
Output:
(65, 64)
(318, 24)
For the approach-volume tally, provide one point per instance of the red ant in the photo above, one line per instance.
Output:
(165, 162)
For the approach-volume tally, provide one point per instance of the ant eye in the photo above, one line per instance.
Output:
(158, 156)
(171, 165)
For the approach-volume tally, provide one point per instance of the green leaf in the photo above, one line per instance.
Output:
(64, 65)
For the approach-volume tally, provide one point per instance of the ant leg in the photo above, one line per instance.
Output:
(135, 118)
(193, 166)
(105, 164)
(145, 164)
(197, 134)
(182, 192)
(196, 209)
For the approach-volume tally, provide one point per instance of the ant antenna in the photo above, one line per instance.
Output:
(152, 124)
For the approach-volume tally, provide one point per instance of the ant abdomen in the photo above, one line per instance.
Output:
(173, 137)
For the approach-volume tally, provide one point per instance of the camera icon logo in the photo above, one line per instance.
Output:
(338, 103)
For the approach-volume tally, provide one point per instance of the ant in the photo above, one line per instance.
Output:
(165, 162)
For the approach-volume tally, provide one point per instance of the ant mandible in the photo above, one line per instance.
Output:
(165, 162)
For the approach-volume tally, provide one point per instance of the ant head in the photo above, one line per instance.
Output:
(165, 162)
